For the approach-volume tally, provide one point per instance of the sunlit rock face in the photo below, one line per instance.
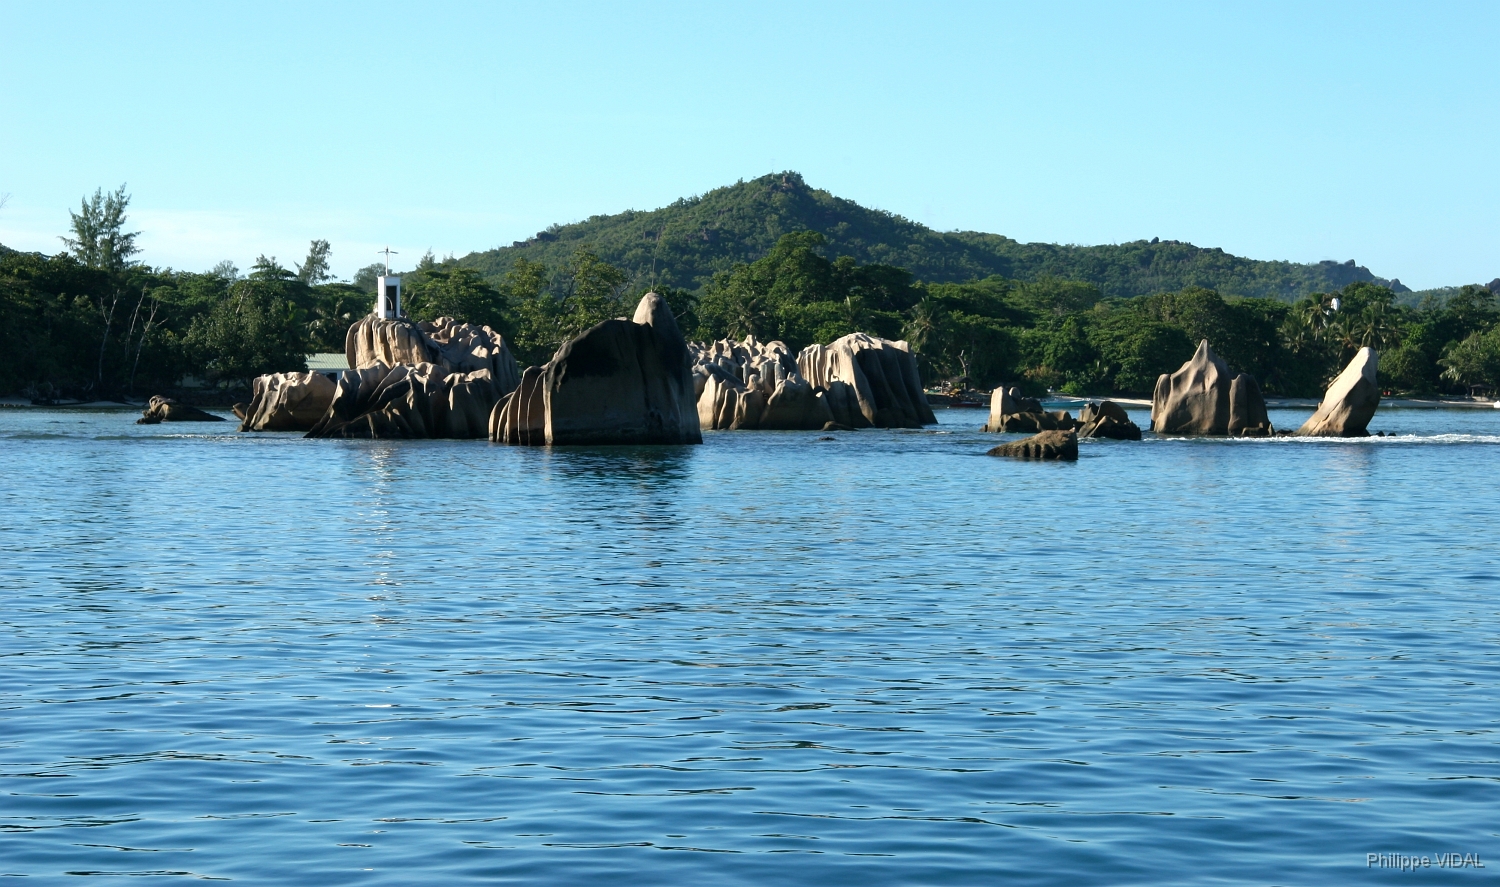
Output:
(1202, 397)
(421, 401)
(751, 384)
(288, 402)
(1350, 401)
(868, 381)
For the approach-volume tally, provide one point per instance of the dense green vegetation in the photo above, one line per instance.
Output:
(686, 244)
(94, 322)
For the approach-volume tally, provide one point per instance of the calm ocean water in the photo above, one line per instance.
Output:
(884, 659)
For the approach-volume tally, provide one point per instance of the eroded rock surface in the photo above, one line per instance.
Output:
(751, 384)
(287, 402)
(421, 401)
(454, 346)
(1350, 401)
(1050, 445)
(165, 409)
(868, 381)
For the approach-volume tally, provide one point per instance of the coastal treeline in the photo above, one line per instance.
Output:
(94, 321)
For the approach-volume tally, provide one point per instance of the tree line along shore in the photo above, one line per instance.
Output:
(94, 322)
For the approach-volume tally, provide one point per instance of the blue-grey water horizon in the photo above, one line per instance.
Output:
(771, 659)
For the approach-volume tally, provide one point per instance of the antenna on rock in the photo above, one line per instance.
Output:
(388, 253)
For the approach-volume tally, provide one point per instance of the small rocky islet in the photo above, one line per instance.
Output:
(637, 381)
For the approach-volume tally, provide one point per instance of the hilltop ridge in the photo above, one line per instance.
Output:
(686, 243)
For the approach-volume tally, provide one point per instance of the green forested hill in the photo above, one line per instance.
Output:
(684, 244)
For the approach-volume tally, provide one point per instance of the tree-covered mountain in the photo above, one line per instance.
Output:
(685, 244)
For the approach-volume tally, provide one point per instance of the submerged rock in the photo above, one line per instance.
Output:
(286, 402)
(1052, 445)
(619, 382)
(1350, 402)
(1107, 419)
(165, 409)
(868, 381)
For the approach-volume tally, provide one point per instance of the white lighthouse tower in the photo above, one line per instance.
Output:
(388, 291)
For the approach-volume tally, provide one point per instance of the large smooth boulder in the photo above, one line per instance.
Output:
(421, 401)
(1049, 445)
(751, 384)
(1350, 402)
(165, 409)
(1247, 408)
(1195, 399)
(1107, 419)
(619, 382)
(287, 402)
(868, 381)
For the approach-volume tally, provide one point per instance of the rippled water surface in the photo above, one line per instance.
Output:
(772, 659)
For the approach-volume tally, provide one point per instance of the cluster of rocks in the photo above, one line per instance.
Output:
(752, 384)
(430, 379)
(1202, 398)
(1011, 411)
(858, 381)
(619, 382)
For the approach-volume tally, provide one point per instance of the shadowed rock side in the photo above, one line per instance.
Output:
(454, 346)
(1247, 408)
(619, 382)
(754, 385)
(1350, 402)
(868, 381)
(419, 401)
(165, 409)
(1202, 398)
(1010, 411)
(1107, 419)
(287, 402)
(1052, 445)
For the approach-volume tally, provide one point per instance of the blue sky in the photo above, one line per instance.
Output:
(1279, 131)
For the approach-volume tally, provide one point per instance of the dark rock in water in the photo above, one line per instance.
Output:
(287, 402)
(1107, 419)
(1054, 445)
(868, 381)
(1195, 399)
(1247, 409)
(165, 409)
(422, 401)
(827, 438)
(240, 410)
(619, 382)
(520, 418)
(1350, 402)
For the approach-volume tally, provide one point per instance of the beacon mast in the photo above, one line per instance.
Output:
(388, 291)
